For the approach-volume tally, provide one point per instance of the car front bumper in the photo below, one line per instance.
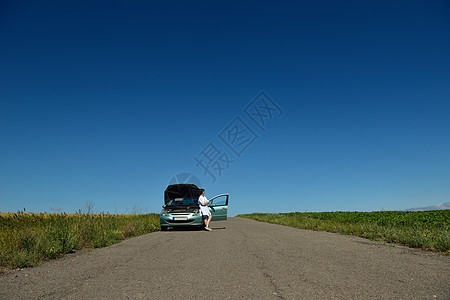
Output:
(173, 220)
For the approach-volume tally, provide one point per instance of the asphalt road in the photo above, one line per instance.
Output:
(239, 259)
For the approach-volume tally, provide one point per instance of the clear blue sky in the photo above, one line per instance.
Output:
(106, 101)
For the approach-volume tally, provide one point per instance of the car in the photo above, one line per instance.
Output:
(181, 207)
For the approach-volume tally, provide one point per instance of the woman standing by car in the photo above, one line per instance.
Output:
(204, 210)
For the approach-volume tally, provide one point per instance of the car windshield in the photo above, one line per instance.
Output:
(182, 201)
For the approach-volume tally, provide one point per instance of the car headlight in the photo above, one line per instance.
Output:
(164, 212)
(196, 212)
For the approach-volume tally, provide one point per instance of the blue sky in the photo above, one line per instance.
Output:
(106, 101)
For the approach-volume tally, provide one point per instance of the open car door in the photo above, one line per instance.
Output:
(218, 206)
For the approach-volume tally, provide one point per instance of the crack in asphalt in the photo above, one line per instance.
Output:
(262, 268)
(273, 284)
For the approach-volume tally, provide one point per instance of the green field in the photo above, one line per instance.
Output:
(428, 230)
(27, 239)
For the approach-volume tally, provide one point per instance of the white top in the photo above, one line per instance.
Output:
(203, 206)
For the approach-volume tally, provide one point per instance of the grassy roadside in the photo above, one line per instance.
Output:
(27, 239)
(428, 230)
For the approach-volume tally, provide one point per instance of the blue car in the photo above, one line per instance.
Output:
(181, 207)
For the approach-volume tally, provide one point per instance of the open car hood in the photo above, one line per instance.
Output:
(182, 190)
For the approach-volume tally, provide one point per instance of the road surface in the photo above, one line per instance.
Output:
(239, 259)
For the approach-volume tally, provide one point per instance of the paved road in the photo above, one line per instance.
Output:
(239, 259)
